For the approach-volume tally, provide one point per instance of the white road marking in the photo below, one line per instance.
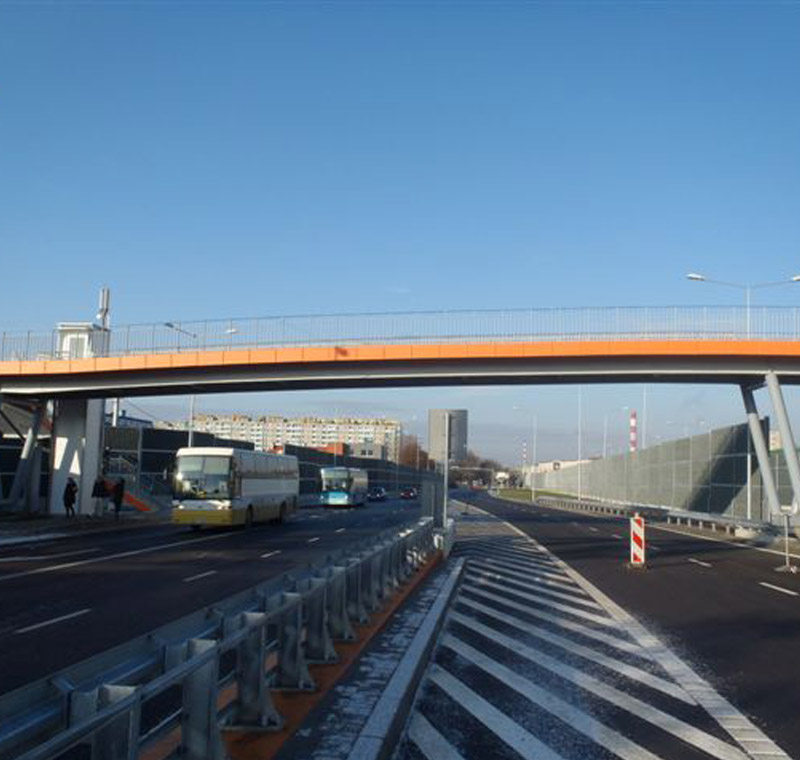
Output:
(618, 744)
(43, 557)
(429, 741)
(723, 541)
(591, 617)
(620, 666)
(270, 554)
(594, 530)
(340, 530)
(199, 575)
(555, 575)
(780, 588)
(614, 640)
(312, 540)
(528, 577)
(616, 535)
(728, 717)
(699, 562)
(120, 555)
(514, 735)
(669, 723)
(586, 602)
(71, 615)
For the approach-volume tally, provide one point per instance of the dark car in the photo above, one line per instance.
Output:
(408, 493)
(377, 493)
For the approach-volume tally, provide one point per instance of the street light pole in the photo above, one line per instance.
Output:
(533, 458)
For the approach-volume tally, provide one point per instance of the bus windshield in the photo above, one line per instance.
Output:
(199, 477)
(336, 483)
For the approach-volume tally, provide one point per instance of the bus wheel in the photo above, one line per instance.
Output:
(248, 520)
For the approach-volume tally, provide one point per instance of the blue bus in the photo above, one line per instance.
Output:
(343, 486)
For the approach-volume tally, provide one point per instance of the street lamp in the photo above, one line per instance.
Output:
(533, 452)
(746, 287)
(192, 398)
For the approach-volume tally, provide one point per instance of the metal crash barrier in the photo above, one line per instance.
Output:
(175, 690)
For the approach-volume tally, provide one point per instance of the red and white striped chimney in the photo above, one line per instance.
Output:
(633, 438)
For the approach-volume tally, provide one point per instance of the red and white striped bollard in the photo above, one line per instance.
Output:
(637, 541)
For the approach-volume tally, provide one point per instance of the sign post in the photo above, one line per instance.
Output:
(787, 510)
(637, 542)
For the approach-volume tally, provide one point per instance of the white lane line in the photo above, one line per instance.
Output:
(199, 575)
(514, 735)
(429, 741)
(722, 541)
(619, 666)
(728, 717)
(312, 540)
(699, 562)
(669, 723)
(340, 530)
(528, 577)
(780, 588)
(44, 557)
(591, 617)
(52, 621)
(618, 744)
(594, 530)
(267, 555)
(616, 535)
(107, 557)
(614, 640)
(586, 602)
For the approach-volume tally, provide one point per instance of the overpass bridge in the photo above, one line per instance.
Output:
(79, 365)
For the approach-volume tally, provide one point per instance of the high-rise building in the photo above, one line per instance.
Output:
(313, 432)
(437, 419)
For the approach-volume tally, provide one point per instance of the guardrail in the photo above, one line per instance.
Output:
(174, 691)
(613, 323)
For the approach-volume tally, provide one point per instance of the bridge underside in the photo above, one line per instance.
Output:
(385, 374)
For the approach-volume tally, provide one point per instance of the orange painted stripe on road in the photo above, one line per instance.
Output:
(405, 352)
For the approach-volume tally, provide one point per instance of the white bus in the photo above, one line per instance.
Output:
(343, 486)
(221, 486)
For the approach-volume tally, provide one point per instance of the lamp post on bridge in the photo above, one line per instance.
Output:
(746, 287)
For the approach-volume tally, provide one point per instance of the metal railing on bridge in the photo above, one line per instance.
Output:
(695, 323)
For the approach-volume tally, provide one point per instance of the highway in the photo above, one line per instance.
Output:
(64, 600)
(721, 607)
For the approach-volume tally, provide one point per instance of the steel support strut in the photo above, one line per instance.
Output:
(787, 439)
(762, 453)
(21, 482)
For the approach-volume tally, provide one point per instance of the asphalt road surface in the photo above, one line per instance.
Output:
(721, 607)
(64, 600)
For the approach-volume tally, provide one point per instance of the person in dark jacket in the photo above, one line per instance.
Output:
(117, 495)
(99, 494)
(70, 497)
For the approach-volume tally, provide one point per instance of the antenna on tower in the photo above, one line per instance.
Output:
(104, 308)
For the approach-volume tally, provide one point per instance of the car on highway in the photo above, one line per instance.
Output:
(377, 493)
(408, 493)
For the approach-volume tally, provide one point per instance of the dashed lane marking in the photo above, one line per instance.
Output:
(699, 562)
(267, 555)
(779, 588)
(340, 530)
(312, 540)
(594, 530)
(53, 621)
(199, 576)
(45, 557)
(616, 535)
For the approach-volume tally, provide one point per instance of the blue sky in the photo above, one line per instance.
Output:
(215, 159)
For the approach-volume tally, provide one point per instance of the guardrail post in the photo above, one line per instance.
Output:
(292, 668)
(200, 736)
(256, 709)
(119, 740)
(338, 619)
(356, 609)
(319, 647)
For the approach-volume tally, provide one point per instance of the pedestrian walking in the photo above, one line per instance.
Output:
(70, 497)
(117, 495)
(99, 494)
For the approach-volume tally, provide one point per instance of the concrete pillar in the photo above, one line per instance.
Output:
(20, 495)
(789, 450)
(762, 453)
(77, 451)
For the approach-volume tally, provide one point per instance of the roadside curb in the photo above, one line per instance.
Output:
(388, 717)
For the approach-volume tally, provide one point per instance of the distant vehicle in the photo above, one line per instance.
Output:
(408, 493)
(343, 486)
(378, 493)
(221, 486)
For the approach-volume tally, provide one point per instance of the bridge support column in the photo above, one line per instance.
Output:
(787, 439)
(25, 488)
(762, 453)
(77, 450)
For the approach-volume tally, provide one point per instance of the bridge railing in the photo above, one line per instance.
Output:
(613, 323)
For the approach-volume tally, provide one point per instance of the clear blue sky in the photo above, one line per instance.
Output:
(219, 159)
